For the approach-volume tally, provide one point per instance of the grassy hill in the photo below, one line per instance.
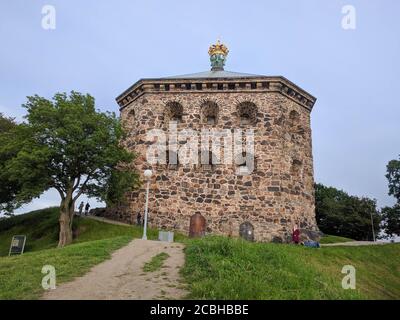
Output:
(41, 229)
(224, 268)
(20, 276)
(215, 268)
(94, 241)
(334, 239)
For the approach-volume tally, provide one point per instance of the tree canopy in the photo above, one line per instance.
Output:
(391, 215)
(341, 214)
(393, 176)
(6, 124)
(8, 188)
(68, 145)
(391, 220)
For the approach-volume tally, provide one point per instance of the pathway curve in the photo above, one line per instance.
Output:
(122, 277)
(101, 219)
(353, 244)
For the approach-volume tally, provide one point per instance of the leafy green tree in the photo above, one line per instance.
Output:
(8, 188)
(68, 145)
(340, 214)
(393, 176)
(391, 215)
(6, 124)
(391, 220)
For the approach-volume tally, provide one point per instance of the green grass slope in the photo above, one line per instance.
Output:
(41, 228)
(215, 267)
(224, 268)
(94, 241)
(334, 239)
(21, 276)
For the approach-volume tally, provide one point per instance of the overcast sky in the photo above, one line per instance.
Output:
(102, 47)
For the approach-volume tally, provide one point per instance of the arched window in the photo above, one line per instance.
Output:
(129, 121)
(245, 162)
(241, 159)
(246, 231)
(209, 112)
(174, 111)
(294, 123)
(172, 159)
(294, 118)
(247, 112)
(131, 113)
(207, 159)
(295, 168)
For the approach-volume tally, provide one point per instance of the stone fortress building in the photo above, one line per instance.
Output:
(262, 205)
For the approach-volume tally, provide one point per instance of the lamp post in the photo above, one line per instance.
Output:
(372, 224)
(147, 175)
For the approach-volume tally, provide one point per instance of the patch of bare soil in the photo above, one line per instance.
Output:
(122, 277)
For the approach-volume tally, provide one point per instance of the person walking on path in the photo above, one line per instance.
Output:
(81, 208)
(87, 207)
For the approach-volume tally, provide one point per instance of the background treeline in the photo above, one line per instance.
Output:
(341, 214)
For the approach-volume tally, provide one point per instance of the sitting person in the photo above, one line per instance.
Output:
(296, 234)
(310, 244)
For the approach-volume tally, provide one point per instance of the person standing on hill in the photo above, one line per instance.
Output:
(87, 207)
(81, 208)
(296, 234)
(139, 219)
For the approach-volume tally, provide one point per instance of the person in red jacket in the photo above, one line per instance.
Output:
(296, 234)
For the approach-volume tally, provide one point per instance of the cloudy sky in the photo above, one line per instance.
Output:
(102, 47)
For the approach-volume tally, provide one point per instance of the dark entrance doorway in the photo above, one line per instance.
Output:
(197, 226)
(246, 231)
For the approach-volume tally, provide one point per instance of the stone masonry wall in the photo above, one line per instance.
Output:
(276, 195)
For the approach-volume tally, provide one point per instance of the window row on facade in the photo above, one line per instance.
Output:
(207, 160)
(246, 113)
(245, 163)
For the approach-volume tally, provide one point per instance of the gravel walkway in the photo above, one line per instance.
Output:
(353, 244)
(122, 277)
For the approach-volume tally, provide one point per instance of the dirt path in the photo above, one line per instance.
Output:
(122, 277)
(353, 244)
(101, 219)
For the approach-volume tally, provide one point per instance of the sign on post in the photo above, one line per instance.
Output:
(17, 245)
(166, 236)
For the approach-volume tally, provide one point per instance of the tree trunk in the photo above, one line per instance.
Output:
(67, 209)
